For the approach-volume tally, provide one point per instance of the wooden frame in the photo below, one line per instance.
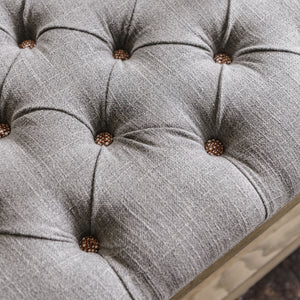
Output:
(250, 260)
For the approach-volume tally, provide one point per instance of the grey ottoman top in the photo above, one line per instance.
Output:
(165, 130)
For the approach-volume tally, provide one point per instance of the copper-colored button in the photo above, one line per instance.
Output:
(4, 130)
(104, 138)
(214, 147)
(27, 44)
(121, 54)
(222, 59)
(89, 244)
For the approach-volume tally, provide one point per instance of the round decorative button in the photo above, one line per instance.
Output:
(222, 59)
(89, 244)
(214, 147)
(4, 130)
(29, 44)
(104, 138)
(121, 54)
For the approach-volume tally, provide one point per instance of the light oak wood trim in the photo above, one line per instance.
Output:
(250, 260)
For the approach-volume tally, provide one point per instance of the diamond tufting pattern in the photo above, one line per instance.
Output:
(198, 124)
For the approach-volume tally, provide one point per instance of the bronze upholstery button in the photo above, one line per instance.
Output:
(222, 59)
(4, 130)
(104, 138)
(121, 54)
(214, 147)
(29, 44)
(89, 244)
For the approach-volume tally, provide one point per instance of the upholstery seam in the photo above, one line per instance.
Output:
(93, 189)
(218, 101)
(8, 33)
(106, 94)
(25, 112)
(157, 128)
(170, 43)
(5, 78)
(49, 28)
(227, 30)
(130, 22)
(259, 193)
(240, 53)
(25, 28)
(33, 236)
(117, 274)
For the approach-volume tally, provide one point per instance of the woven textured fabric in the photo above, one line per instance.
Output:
(161, 207)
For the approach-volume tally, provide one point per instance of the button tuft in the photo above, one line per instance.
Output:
(4, 130)
(121, 54)
(104, 138)
(89, 244)
(214, 147)
(29, 44)
(222, 59)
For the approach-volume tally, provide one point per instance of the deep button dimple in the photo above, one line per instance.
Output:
(214, 147)
(4, 130)
(222, 59)
(121, 54)
(29, 44)
(104, 138)
(89, 244)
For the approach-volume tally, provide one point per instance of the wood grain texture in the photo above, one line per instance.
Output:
(282, 283)
(249, 261)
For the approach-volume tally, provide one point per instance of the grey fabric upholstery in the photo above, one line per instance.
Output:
(162, 208)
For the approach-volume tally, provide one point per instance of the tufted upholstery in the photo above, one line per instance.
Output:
(116, 114)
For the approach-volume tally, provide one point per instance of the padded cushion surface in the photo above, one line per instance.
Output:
(161, 207)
